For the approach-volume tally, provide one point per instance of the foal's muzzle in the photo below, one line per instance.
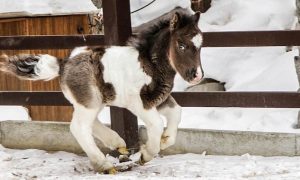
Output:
(197, 76)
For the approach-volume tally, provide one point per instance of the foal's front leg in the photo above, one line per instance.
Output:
(172, 111)
(154, 125)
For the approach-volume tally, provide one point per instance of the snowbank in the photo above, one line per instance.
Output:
(156, 9)
(16, 8)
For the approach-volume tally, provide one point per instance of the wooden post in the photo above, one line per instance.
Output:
(117, 29)
(201, 5)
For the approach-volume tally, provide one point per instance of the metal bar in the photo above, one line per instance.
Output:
(251, 38)
(49, 42)
(185, 99)
(211, 39)
(117, 29)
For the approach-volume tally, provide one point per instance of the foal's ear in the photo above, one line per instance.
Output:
(174, 23)
(197, 16)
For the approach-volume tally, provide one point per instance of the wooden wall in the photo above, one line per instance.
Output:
(58, 25)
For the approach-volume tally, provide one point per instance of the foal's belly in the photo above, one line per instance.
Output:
(123, 70)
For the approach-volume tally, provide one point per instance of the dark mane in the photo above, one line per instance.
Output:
(147, 33)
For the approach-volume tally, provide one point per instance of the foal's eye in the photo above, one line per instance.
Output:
(181, 47)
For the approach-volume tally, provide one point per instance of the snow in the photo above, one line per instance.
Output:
(15, 8)
(13, 113)
(38, 164)
(152, 11)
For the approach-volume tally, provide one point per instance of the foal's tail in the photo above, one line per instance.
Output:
(31, 67)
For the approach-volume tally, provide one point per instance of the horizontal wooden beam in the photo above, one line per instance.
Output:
(185, 99)
(251, 38)
(238, 99)
(41, 98)
(49, 42)
(211, 39)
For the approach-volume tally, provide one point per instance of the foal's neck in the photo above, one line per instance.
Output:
(156, 64)
(159, 55)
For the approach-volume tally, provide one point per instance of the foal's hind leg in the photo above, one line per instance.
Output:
(81, 128)
(172, 111)
(108, 137)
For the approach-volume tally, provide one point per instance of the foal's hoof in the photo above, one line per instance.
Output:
(141, 161)
(111, 171)
(123, 150)
(166, 141)
(105, 167)
(145, 155)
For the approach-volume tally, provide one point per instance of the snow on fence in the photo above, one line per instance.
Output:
(118, 29)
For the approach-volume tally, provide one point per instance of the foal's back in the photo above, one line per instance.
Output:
(114, 75)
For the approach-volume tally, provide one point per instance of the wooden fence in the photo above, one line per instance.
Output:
(117, 29)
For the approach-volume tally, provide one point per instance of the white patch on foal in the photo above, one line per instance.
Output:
(47, 67)
(78, 50)
(123, 69)
(197, 40)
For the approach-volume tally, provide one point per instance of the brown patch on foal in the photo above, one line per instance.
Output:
(169, 102)
(83, 72)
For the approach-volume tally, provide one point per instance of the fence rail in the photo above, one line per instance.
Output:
(211, 39)
(185, 99)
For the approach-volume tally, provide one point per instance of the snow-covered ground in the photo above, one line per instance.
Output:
(37, 164)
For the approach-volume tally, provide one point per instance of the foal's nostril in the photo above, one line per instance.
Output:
(191, 74)
(194, 73)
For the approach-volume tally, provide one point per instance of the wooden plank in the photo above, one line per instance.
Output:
(238, 99)
(117, 29)
(58, 25)
(201, 5)
(251, 38)
(185, 99)
(49, 41)
(117, 21)
(211, 39)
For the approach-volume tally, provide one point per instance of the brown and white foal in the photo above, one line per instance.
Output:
(138, 77)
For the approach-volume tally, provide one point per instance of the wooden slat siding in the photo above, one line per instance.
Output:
(211, 39)
(59, 25)
(117, 29)
(22, 27)
(185, 99)
(18, 27)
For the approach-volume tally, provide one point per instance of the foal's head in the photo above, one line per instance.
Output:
(185, 45)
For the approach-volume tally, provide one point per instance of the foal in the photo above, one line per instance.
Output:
(138, 77)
